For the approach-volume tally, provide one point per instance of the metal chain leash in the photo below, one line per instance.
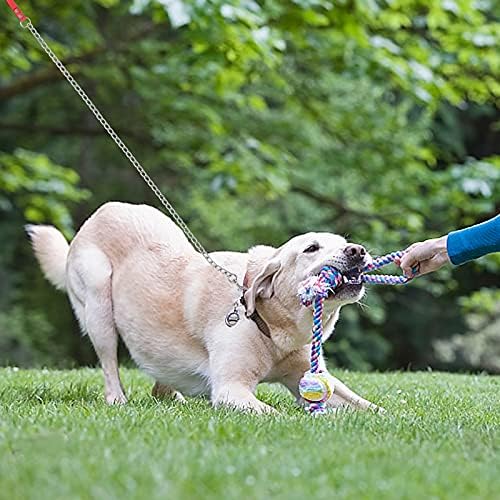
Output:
(230, 276)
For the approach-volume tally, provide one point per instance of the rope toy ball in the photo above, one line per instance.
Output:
(316, 386)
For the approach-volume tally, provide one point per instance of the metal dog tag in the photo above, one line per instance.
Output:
(233, 317)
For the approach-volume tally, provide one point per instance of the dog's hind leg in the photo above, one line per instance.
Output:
(161, 391)
(93, 270)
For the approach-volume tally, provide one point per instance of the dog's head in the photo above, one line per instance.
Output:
(278, 273)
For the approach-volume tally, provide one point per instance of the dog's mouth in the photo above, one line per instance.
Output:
(347, 287)
(350, 286)
(352, 276)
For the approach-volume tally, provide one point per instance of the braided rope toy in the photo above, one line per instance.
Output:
(316, 386)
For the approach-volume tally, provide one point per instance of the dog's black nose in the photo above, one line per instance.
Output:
(355, 252)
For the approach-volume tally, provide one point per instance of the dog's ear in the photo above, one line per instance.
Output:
(263, 284)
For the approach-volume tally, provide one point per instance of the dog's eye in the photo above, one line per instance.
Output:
(312, 248)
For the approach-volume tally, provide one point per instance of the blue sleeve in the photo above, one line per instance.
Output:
(474, 242)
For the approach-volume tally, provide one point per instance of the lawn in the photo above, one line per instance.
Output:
(58, 440)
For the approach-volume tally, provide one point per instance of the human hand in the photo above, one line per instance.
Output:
(424, 257)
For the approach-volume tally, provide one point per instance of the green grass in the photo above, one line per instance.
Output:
(58, 440)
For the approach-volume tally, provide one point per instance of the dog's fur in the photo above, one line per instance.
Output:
(131, 271)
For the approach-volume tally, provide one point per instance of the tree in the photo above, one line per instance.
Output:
(261, 120)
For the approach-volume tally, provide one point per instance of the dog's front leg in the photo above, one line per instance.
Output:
(235, 370)
(239, 396)
(343, 396)
(291, 369)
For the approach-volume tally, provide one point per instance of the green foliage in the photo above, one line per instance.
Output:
(59, 440)
(479, 347)
(41, 189)
(377, 120)
(28, 339)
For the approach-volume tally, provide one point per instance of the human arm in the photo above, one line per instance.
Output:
(457, 248)
(474, 242)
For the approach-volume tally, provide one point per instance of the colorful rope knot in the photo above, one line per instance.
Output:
(315, 387)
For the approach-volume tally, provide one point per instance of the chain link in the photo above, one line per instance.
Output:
(231, 277)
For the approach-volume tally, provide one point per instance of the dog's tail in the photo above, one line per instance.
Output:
(51, 250)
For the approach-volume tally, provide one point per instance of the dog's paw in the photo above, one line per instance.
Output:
(248, 406)
(177, 396)
(116, 398)
(379, 410)
(161, 391)
(264, 409)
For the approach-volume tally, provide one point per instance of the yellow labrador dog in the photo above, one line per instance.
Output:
(130, 271)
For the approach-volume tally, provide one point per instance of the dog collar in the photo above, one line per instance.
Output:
(256, 318)
(233, 317)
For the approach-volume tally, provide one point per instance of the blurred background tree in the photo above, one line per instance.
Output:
(378, 120)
